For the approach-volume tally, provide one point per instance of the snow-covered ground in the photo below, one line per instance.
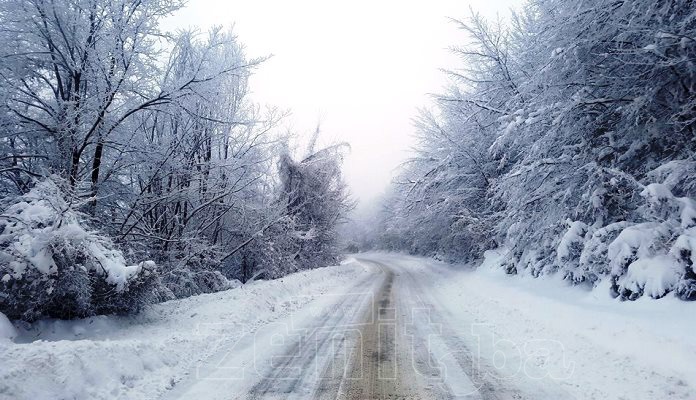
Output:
(583, 341)
(507, 337)
(145, 356)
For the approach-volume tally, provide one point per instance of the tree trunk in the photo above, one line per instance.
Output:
(96, 166)
(74, 166)
(245, 269)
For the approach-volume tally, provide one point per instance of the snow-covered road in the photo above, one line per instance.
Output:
(380, 326)
(378, 340)
(418, 329)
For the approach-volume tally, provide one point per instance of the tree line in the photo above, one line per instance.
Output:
(136, 168)
(566, 141)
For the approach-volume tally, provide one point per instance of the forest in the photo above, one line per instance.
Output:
(511, 215)
(135, 168)
(567, 142)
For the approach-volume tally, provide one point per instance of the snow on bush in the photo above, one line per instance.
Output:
(593, 257)
(684, 250)
(654, 276)
(52, 266)
(570, 247)
(634, 242)
(7, 330)
(198, 272)
(653, 257)
(574, 235)
(656, 257)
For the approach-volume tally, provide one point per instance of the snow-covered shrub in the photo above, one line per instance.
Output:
(654, 276)
(628, 254)
(51, 265)
(194, 270)
(684, 251)
(570, 248)
(593, 263)
(653, 257)
(185, 282)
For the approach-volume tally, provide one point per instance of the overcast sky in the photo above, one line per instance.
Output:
(361, 68)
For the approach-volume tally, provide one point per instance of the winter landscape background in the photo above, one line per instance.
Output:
(155, 213)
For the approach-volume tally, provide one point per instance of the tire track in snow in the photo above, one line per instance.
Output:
(297, 376)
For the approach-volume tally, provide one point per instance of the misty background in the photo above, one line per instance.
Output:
(359, 69)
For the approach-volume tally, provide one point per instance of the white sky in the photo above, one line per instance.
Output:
(362, 68)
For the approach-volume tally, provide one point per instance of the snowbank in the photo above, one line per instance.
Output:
(142, 357)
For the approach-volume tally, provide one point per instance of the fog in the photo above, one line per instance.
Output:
(360, 69)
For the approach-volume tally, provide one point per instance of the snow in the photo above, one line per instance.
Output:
(43, 220)
(634, 241)
(592, 345)
(653, 276)
(7, 330)
(571, 340)
(492, 259)
(687, 215)
(144, 356)
(673, 172)
(657, 192)
(573, 235)
(685, 243)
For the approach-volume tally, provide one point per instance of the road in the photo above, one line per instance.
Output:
(386, 337)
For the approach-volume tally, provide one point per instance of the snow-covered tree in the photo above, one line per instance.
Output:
(75, 72)
(197, 164)
(317, 200)
(161, 150)
(302, 231)
(564, 125)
